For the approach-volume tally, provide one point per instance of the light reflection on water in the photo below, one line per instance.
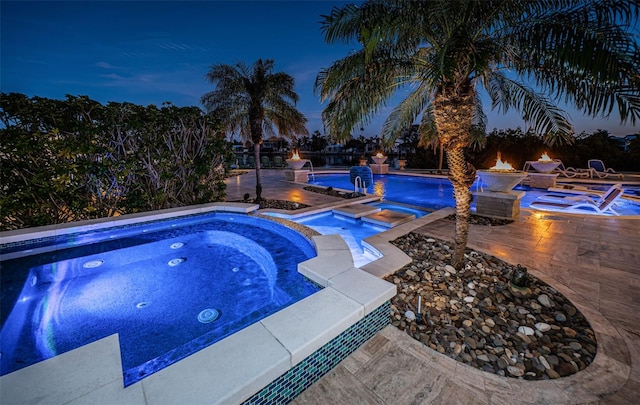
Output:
(437, 193)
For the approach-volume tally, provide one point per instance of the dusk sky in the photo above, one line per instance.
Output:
(149, 52)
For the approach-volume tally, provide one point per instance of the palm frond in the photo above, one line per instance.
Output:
(545, 116)
(405, 114)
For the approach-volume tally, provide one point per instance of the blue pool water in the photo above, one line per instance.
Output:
(436, 193)
(432, 193)
(168, 289)
(354, 231)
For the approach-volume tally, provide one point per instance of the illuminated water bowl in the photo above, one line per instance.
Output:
(379, 159)
(500, 180)
(545, 167)
(296, 164)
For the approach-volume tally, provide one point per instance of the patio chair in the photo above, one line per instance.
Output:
(586, 196)
(601, 172)
(251, 161)
(602, 207)
(265, 162)
(571, 172)
(277, 162)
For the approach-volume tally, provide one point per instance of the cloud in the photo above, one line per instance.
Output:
(182, 47)
(105, 65)
(112, 76)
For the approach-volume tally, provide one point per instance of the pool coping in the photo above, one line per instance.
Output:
(48, 231)
(228, 372)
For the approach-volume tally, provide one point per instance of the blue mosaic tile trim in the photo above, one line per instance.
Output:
(289, 385)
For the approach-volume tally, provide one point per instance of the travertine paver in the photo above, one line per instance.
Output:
(594, 261)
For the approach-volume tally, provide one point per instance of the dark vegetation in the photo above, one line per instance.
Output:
(517, 147)
(76, 159)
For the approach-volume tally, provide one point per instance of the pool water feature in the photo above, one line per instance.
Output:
(436, 193)
(168, 292)
(353, 230)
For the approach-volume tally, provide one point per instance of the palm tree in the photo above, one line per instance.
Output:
(254, 101)
(525, 54)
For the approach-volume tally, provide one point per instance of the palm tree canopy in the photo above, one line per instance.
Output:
(253, 101)
(527, 55)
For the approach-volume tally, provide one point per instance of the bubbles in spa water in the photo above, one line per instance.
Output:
(177, 261)
(93, 264)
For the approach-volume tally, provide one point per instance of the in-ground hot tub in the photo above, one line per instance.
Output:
(168, 289)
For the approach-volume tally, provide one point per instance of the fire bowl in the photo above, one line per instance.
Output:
(545, 167)
(379, 160)
(296, 164)
(500, 181)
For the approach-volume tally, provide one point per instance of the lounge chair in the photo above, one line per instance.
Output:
(570, 172)
(587, 195)
(601, 172)
(278, 162)
(601, 207)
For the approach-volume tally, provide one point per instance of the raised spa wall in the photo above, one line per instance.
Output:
(271, 361)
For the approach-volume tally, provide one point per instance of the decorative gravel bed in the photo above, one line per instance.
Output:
(476, 316)
(332, 192)
(485, 221)
(282, 205)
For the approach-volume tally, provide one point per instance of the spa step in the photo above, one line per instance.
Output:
(356, 210)
(388, 218)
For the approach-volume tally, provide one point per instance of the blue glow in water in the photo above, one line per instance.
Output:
(436, 193)
(433, 193)
(163, 307)
(354, 231)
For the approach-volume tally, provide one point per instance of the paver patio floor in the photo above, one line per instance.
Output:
(594, 261)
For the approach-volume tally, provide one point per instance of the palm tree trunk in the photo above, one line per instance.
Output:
(453, 116)
(440, 158)
(462, 176)
(256, 153)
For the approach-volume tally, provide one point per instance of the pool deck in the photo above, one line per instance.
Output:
(594, 261)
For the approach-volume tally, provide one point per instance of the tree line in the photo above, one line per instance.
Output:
(76, 159)
(517, 147)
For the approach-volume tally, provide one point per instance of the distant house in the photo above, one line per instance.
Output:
(275, 144)
(625, 141)
(335, 148)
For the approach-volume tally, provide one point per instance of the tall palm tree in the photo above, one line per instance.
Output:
(254, 101)
(525, 54)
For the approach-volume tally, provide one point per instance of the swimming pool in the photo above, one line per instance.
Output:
(436, 193)
(168, 288)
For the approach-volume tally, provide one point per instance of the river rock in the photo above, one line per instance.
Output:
(544, 300)
(515, 371)
(472, 316)
(543, 327)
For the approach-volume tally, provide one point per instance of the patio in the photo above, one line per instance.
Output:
(592, 260)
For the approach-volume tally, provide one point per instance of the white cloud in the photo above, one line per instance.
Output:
(105, 65)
